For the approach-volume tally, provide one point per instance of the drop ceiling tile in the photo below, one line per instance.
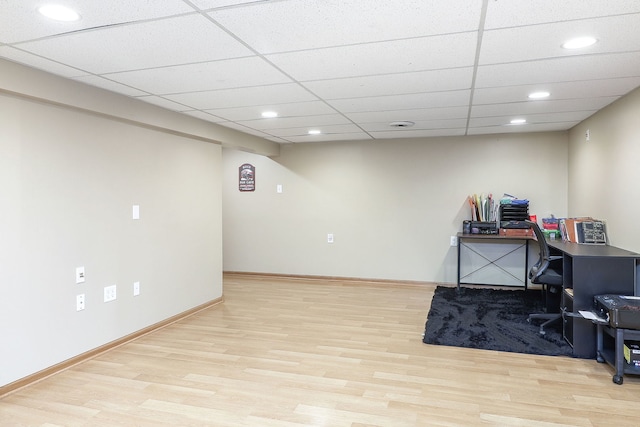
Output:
(357, 136)
(292, 122)
(232, 73)
(142, 45)
(238, 127)
(563, 90)
(614, 34)
(243, 97)
(20, 20)
(542, 127)
(162, 102)
(326, 129)
(426, 133)
(419, 125)
(35, 61)
(393, 84)
(513, 13)
(409, 55)
(376, 20)
(204, 116)
(212, 4)
(558, 117)
(296, 109)
(408, 102)
(523, 108)
(109, 85)
(609, 66)
(411, 115)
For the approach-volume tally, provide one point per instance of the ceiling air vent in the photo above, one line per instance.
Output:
(401, 124)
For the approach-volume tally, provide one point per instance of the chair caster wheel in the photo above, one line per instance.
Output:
(617, 379)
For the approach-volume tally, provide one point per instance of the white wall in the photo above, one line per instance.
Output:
(604, 172)
(391, 205)
(68, 181)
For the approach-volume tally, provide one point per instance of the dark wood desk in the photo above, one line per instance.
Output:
(587, 271)
(522, 241)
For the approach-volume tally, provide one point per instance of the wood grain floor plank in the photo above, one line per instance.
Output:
(291, 352)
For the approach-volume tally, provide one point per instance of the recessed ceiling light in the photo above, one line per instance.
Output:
(59, 12)
(518, 121)
(314, 132)
(579, 42)
(269, 114)
(539, 95)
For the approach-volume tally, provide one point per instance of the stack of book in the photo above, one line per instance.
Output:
(585, 230)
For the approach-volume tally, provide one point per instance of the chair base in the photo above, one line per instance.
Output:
(548, 318)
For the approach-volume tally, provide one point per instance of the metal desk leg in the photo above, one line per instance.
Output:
(600, 344)
(459, 244)
(618, 377)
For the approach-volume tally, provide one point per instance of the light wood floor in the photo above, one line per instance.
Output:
(294, 352)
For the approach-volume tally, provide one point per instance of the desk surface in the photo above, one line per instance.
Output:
(492, 236)
(580, 250)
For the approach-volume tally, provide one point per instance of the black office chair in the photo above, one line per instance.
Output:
(547, 271)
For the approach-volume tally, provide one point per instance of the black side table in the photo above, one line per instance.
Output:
(614, 356)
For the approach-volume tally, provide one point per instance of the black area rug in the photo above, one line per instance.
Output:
(492, 319)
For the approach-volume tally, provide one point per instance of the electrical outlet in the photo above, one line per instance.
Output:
(454, 241)
(109, 293)
(136, 289)
(80, 302)
(330, 238)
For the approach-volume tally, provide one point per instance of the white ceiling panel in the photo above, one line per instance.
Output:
(304, 131)
(514, 13)
(393, 84)
(243, 97)
(402, 102)
(426, 53)
(329, 137)
(232, 73)
(212, 4)
(296, 109)
(163, 102)
(20, 20)
(415, 114)
(418, 125)
(538, 107)
(141, 46)
(204, 116)
(532, 119)
(597, 67)
(110, 85)
(419, 133)
(538, 127)
(319, 23)
(291, 122)
(347, 67)
(564, 90)
(34, 61)
(614, 34)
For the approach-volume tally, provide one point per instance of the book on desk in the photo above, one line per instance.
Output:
(584, 230)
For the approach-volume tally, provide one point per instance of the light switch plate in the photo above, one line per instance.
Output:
(80, 275)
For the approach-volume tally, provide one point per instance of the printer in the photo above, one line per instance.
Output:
(483, 227)
(622, 311)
